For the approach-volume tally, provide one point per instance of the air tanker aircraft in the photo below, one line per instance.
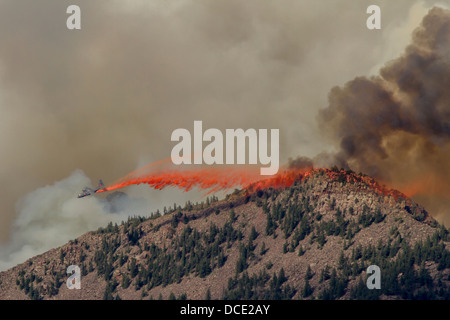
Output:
(89, 191)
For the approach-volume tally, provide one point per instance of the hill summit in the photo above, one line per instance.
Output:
(311, 240)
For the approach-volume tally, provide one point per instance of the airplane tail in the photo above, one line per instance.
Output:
(101, 184)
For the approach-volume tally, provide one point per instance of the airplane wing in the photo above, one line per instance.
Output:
(89, 191)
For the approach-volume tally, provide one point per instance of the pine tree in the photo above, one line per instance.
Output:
(107, 295)
(125, 281)
(309, 274)
(321, 239)
(301, 251)
(307, 289)
(263, 249)
(253, 233)
(270, 226)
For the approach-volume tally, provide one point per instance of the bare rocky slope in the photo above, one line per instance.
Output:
(313, 240)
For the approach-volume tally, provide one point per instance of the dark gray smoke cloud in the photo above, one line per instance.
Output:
(300, 163)
(396, 125)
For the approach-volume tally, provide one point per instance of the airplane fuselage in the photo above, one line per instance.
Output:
(89, 191)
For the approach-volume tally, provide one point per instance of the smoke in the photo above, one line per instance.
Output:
(396, 125)
(106, 98)
(52, 215)
(301, 162)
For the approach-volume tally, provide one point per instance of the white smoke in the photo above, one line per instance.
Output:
(52, 215)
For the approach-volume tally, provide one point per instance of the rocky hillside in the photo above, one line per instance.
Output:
(314, 239)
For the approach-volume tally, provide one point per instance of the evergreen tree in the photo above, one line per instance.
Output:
(270, 225)
(307, 289)
(263, 249)
(309, 274)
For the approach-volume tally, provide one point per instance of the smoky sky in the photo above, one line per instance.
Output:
(396, 125)
(105, 99)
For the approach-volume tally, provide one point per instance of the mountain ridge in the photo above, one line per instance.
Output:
(313, 239)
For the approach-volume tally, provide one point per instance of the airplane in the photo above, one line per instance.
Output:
(89, 191)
